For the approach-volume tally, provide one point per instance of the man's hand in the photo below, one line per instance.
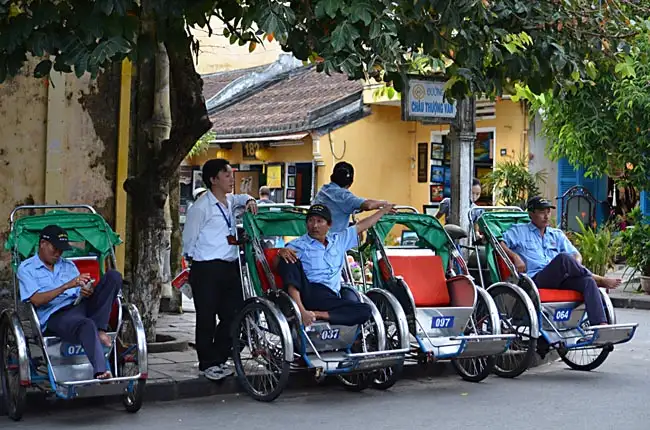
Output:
(288, 255)
(519, 264)
(87, 292)
(251, 206)
(308, 317)
(79, 281)
(387, 208)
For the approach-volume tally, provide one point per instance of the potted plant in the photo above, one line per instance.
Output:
(598, 247)
(635, 242)
(512, 183)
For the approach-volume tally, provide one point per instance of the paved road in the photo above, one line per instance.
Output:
(616, 396)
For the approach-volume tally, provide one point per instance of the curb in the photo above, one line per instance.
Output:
(167, 390)
(630, 303)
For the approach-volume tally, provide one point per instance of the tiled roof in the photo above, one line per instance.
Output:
(215, 82)
(284, 105)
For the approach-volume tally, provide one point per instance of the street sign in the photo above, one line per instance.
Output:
(425, 100)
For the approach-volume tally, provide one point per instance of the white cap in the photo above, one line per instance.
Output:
(198, 191)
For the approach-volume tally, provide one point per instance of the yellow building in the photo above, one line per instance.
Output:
(288, 119)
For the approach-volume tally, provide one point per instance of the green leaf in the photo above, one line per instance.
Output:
(3, 69)
(327, 7)
(105, 51)
(361, 10)
(39, 43)
(42, 69)
(344, 35)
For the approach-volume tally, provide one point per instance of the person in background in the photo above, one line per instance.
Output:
(445, 205)
(196, 194)
(210, 244)
(265, 196)
(339, 199)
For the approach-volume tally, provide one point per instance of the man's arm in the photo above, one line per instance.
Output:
(370, 204)
(567, 247)
(29, 288)
(191, 230)
(308, 317)
(370, 221)
(514, 257)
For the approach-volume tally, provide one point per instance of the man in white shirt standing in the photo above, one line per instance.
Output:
(209, 243)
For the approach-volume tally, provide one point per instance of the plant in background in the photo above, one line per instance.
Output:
(636, 246)
(597, 247)
(512, 183)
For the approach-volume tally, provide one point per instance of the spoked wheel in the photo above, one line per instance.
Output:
(585, 359)
(129, 357)
(258, 352)
(476, 369)
(386, 378)
(515, 319)
(14, 394)
(366, 342)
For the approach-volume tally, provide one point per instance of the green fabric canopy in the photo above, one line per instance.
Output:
(494, 224)
(90, 228)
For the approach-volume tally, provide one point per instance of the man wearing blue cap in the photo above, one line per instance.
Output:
(311, 265)
(53, 285)
(551, 260)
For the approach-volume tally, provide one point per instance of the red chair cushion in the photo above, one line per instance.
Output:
(423, 273)
(547, 295)
(88, 265)
(504, 271)
(269, 254)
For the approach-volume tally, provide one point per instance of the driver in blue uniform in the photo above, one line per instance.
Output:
(551, 260)
(310, 267)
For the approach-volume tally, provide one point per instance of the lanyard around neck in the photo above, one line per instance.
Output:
(227, 218)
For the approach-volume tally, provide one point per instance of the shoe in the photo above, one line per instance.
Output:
(226, 370)
(215, 373)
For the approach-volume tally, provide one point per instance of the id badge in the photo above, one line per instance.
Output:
(232, 240)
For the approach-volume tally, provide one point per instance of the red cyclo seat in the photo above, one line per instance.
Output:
(269, 254)
(88, 265)
(113, 320)
(548, 295)
(502, 266)
(424, 274)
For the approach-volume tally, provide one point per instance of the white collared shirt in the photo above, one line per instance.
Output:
(206, 231)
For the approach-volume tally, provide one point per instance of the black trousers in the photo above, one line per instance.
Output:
(343, 310)
(217, 290)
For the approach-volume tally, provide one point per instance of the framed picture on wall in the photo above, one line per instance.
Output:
(197, 180)
(437, 174)
(423, 161)
(291, 170)
(291, 181)
(436, 192)
(291, 194)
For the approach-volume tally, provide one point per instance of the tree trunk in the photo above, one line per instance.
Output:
(176, 301)
(156, 163)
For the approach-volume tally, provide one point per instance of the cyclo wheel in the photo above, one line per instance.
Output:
(258, 352)
(589, 361)
(359, 381)
(14, 394)
(515, 319)
(386, 378)
(476, 369)
(128, 358)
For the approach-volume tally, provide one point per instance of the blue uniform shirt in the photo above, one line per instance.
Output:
(34, 277)
(323, 265)
(537, 252)
(341, 203)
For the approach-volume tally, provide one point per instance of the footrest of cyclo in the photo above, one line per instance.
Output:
(482, 345)
(610, 334)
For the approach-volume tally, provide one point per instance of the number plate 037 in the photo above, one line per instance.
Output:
(562, 314)
(442, 322)
(330, 334)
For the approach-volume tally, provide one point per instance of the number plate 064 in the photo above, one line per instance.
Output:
(562, 314)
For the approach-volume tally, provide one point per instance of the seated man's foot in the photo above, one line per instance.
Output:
(105, 339)
(610, 283)
(103, 375)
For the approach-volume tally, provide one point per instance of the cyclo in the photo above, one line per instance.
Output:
(557, 316)
(269, 338)
(449, 317)
(30, 359)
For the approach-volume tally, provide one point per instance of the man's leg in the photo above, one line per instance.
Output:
(227, 308)
(344, 310)
(73, 326)
(292, 274)
(100, 304)
(203, 280)
(565, 273)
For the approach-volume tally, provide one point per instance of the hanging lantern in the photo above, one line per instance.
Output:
(263, 154)
(222, 153)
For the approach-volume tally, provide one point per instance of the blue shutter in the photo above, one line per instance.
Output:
(598, 188)
(645, 203)
(567, 176)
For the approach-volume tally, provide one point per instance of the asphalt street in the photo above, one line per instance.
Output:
(615, 396)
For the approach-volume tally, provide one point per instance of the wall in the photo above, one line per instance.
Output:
(57, 145)
(539, 161)
(216, 54)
